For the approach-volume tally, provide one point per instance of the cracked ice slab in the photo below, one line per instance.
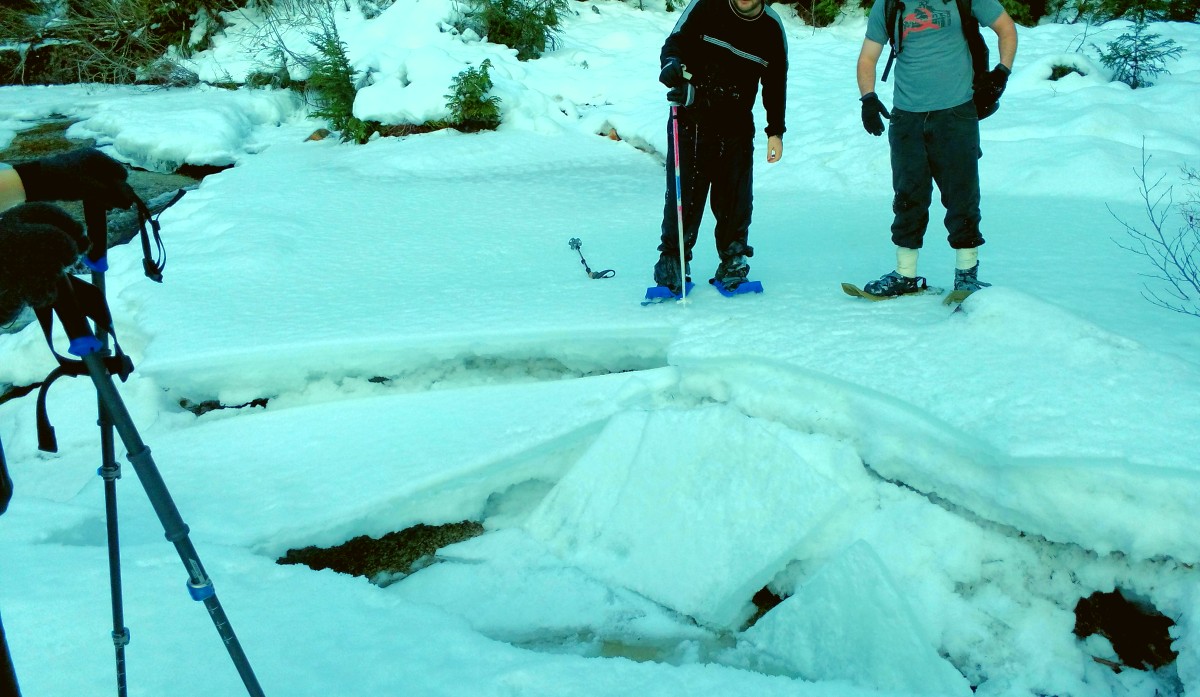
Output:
(1099, 503)
(674, 505)
(851, 622)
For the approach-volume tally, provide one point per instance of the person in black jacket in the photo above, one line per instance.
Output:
(712, 63)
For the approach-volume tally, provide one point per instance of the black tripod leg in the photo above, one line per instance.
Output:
(110, 470)
(97, 226)
(8, 674)
(199, 585)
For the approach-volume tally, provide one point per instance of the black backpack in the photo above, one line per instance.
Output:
(894, 15)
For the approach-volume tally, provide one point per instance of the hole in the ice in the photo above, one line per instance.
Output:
(389, 558)
(764, 600)
(201, 408)
(1139, 633)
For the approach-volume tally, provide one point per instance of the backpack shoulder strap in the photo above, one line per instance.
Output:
(970, 25)
(974, 37)
(891, 8)
(893, 20)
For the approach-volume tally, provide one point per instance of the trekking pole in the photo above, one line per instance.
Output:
(679, 205)
(96, 220)
(576, 244)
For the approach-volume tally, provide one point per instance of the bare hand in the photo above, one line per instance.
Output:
(774, 148)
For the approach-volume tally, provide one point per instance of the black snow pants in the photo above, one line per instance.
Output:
(709, 162)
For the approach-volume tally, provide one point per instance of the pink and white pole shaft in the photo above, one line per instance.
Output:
(679, 205)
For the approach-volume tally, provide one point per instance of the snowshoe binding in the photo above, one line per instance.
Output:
(966, 281)
(891, 285)
(666, 276)
(730, 277)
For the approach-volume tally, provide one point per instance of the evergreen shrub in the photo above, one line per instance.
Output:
(331, 82)
(471, 109)
(525, 25)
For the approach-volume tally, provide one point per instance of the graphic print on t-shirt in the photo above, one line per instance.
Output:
(923, 18)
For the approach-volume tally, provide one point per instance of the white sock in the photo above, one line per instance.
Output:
(906, 262)
(965, 259)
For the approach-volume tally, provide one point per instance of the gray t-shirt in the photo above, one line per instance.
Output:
(933, 70)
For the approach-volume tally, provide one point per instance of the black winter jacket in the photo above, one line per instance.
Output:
(728, 55)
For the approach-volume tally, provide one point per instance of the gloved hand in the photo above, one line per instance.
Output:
(989, 89)
(683, 95)
(872, 108)
(674, 74)
(86, 175)
(38, 241)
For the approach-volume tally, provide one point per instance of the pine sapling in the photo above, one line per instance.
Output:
(1138, 56)
(332, 81)
(471, 109)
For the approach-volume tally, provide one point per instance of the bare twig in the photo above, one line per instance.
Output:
(112, 41)
(1175, 256)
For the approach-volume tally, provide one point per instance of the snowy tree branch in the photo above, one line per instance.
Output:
(1175, 256)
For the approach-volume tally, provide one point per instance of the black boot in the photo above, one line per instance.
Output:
(666, 272)
(892, 284)
(968, 279)
(732, 272)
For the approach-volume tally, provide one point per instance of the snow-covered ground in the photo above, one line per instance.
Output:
(931, 491)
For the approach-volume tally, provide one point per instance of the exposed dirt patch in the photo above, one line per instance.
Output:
(384, 559)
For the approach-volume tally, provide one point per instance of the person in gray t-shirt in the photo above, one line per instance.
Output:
(934, 130)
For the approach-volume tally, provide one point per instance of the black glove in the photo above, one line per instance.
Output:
(872, 108)
(86, 175)
(989, 89)
(683, 95)
(38, 242)
(674, 74)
